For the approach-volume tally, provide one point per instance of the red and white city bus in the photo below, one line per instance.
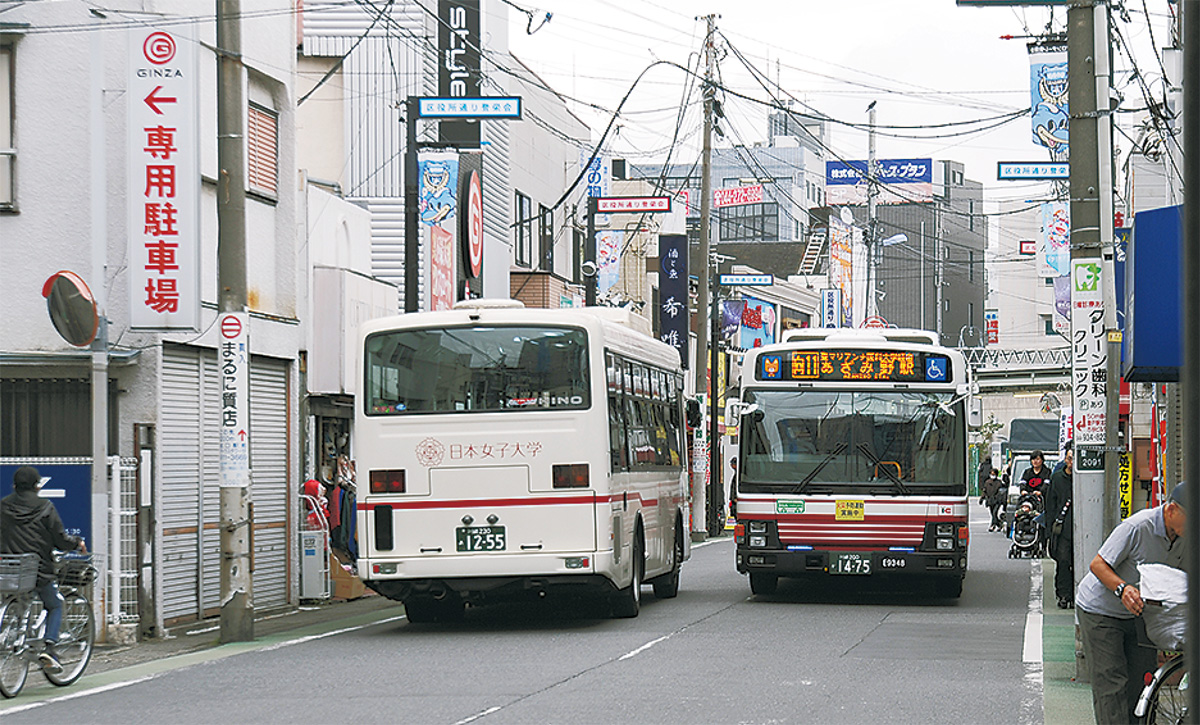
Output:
(853, 448)
(515, 452)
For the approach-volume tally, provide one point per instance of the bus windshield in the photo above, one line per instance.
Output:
(476, 369)
(874, 442)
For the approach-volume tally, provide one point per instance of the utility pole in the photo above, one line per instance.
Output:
(938, 270)
(1094, 384)
(237, 604)
(700, 503)
(872, 307)
(1190, 32)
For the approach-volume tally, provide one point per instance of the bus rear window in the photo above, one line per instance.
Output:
(476, 369)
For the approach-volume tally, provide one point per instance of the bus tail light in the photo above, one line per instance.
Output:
(572, 476)
(964, 536)
(388, 481)
(739, 533)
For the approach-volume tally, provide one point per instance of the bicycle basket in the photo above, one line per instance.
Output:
(76, 571)
(18, 573)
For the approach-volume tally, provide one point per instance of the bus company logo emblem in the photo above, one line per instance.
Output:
(430, 452)
(946, 510)
(935, 368)
(771, 367)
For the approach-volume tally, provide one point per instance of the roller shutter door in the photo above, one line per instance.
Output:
(190, 450)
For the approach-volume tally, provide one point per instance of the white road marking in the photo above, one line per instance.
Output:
(187, 660)
(478, 715)
(643, 648)
(1034, 684)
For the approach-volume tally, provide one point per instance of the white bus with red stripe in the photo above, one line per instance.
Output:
(853, 459)
(506, 452)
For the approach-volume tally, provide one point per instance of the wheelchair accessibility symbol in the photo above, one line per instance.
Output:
(935, 368)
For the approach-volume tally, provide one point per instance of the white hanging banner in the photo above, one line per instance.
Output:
(163, 187)
(1089, 372)
(233, 361)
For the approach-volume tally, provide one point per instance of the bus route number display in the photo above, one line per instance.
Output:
(884, 366)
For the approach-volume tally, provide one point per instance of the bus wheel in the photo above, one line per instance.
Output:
(667, 585)
(763, 583)
(628, 601)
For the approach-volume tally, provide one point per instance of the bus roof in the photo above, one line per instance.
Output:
(868, 334)
(620, 329)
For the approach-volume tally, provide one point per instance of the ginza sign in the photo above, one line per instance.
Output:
(163, 182)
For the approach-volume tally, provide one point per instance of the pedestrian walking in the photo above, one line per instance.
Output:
(1062, 529)
(992, 496)
(1109, 605)
(985, 470)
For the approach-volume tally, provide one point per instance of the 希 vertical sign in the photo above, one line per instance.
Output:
(163, 188)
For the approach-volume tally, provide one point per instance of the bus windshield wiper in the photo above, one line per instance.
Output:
(887, 471)
(820, 466)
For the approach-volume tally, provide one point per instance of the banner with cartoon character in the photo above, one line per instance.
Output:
(758, 324)
(608, 259)
(1048, 85)
(1054, 249)
(437, 204)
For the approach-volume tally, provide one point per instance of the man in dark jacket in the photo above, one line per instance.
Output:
(1060, 520)
(992, 495)
(31, 525)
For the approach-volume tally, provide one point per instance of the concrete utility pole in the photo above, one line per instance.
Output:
(1094, 388)
(1190, 33)
(700, 504)
(237, 606)
(872, 307)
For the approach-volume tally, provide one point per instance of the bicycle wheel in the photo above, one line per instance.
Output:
(74, 647)
(1168, 698)
(14, 668)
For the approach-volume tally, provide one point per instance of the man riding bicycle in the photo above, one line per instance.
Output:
(30, 524)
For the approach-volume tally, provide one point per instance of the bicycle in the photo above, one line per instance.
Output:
(1165, 697)
(23, 621)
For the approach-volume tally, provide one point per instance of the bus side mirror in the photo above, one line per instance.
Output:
(693, 413)
(974, 412)
(735, 409)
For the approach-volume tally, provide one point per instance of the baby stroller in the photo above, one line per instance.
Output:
(1026, 533)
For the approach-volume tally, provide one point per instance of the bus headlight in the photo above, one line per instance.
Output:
(758, 527)
(758, 541)
(945, 529)
(945, 544)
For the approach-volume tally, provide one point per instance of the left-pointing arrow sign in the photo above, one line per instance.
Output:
(152, 100)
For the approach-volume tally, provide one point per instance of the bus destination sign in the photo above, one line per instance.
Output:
(885, 366)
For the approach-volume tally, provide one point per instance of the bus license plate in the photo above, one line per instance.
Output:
(479, 538)
(850, 564)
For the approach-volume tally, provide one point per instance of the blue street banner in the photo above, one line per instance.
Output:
(731, 317)
(67, 485)
(673, 293)
(1048, 98)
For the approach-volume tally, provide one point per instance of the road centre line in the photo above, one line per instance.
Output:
(643, 648)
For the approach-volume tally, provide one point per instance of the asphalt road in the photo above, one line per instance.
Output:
(850, 652)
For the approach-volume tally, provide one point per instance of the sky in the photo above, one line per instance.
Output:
(923, 62)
